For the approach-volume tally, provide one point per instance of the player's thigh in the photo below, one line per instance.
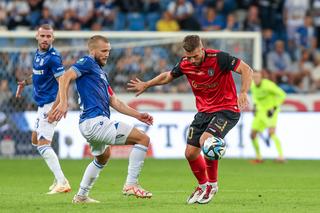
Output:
(259, 123)
(197, 127)
(274, 119)
(42, 127)
(100, 132)
(137, 136)
(222, 122)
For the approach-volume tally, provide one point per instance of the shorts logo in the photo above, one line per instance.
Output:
(211, 72)
(119, 136)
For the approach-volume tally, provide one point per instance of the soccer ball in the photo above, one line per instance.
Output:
(214, 148)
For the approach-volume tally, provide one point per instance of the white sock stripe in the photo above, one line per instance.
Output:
(42, 149)
(141, 147)
(97, 164)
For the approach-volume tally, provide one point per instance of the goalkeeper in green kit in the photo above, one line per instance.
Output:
(267, 99)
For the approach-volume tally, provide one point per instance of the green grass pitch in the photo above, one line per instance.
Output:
(269, 187)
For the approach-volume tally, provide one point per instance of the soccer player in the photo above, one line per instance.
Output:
(47, 70)
(96, 97)
(267, 99)
(209, 74)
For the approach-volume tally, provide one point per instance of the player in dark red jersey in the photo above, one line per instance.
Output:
(209, 74)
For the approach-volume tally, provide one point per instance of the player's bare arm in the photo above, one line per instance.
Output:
(123, 108)
(22, 84)
(64, 82)
(140, 86)
(246, 78)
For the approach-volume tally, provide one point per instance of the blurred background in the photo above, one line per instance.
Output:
(280, 38)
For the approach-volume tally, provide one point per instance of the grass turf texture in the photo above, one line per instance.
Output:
(269, 187)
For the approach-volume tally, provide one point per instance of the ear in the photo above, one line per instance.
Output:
(37, 35)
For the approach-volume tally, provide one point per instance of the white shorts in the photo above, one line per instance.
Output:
(44, 129)
(101, 132)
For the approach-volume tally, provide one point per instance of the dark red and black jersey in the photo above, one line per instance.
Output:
(211, 82)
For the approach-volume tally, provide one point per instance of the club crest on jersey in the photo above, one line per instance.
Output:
(210, 72)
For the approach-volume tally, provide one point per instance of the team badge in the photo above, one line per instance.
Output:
(210, 72)
(41, 62)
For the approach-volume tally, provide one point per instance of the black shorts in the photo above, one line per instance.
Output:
(216, 123)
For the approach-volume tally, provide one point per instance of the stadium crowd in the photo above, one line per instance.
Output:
(290, 31)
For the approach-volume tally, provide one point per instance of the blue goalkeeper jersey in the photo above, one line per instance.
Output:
(93, 87)
(47, 66)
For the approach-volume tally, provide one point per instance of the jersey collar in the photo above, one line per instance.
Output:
(42, 53)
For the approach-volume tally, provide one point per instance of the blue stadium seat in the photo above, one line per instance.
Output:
(135, 21)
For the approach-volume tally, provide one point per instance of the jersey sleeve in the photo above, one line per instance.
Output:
(82, 66)
(227, 62)
(176, 72)
(56, 66)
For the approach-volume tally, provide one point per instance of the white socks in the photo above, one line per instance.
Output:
(89, 177)
(52, 161)
(136, 160)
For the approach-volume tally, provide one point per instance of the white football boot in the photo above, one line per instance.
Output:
(136, 190)
(208, 194)
(193, 198)
(60, 188)
(53, 184)
(83, 199)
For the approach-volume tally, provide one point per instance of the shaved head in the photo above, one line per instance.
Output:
(93, 42)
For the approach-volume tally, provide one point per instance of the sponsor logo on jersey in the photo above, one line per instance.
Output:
(81, 61)
(41, 62)
(204, 86)
(38, 72)
(103, 76)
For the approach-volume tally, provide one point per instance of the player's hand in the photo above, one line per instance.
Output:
(20, 88)
(137, 86)
(243, 100)
(59, 112)
(146, 118)
(50, 116)
(254, 109)
(270, 112)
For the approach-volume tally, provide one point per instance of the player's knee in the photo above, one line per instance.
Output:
(34, 140)
(145, 140)
(103, 159)
(190, 155)
(272, 131)
(253, 135)
(204, 137)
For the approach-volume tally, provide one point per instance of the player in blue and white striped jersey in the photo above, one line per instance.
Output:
(47, 69)
(95, 125)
